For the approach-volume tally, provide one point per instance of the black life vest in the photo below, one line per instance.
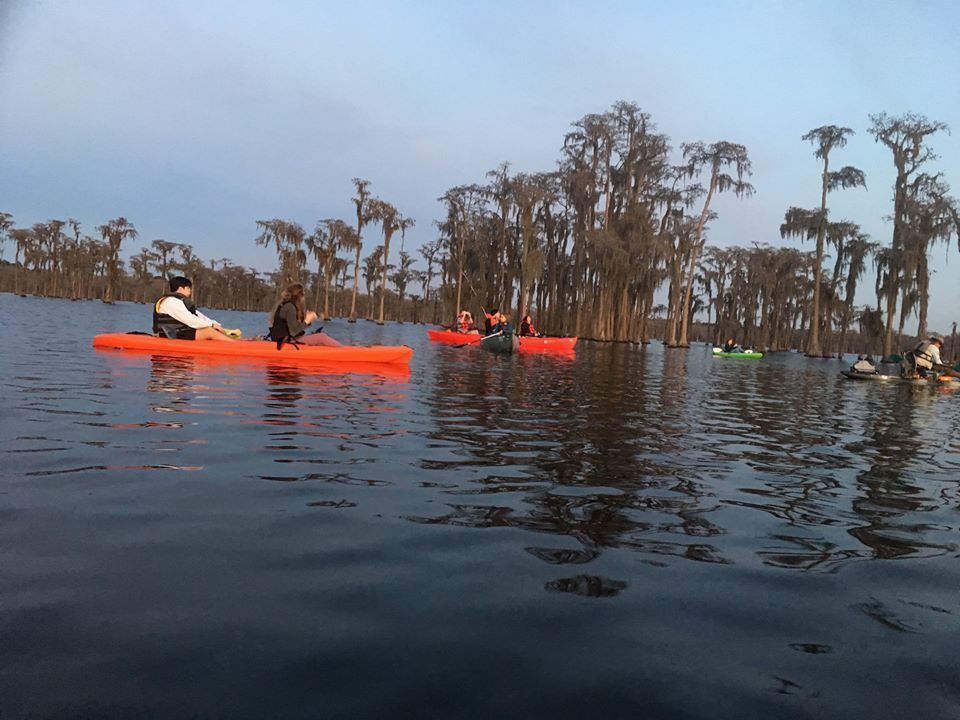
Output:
(165, 325)
(280, 331)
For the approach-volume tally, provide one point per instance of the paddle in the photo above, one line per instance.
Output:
(474, 292)
(479, 339)
(947, 370)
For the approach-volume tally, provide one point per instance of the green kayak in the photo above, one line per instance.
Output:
(745, 355)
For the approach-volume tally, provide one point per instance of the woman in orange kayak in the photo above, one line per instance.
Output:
(290, 318)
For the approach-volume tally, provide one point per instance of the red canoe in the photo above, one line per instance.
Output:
(527, 344)
(256, 349)
(452, 336)
(547, 344)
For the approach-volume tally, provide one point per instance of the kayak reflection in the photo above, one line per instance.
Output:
(393, 371)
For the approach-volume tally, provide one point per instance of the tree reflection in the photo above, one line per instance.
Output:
(888, 491)
(584, 451)
(617, 450)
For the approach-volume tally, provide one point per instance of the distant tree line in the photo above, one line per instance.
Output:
(589, 248)
(58, 259)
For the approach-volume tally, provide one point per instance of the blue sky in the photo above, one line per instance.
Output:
(196, 119)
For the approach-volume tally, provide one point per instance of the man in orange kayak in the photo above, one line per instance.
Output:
(176, 317)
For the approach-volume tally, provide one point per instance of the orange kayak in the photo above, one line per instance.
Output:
(452, 336)
(527, 344)
(256, 349)
(547, 344)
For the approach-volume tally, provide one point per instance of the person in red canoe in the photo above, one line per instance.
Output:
(176, 317)
(290, 318)
(527, 329)
(490, 318)
(464, 322)
(502, 326)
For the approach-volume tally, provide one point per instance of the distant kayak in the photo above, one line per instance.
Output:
(879, 377)
(452, 336)
(256, 349)
(745, 355)
(504, 344)
(529, 343)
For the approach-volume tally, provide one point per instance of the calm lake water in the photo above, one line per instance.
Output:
(627, 533)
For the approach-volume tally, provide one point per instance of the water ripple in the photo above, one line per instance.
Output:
(615, 520)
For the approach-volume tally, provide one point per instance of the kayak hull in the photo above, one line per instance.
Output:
(264, 349)
(452, 336)
(879, 377)
(527, 344)
(502, 344)
(547, 344)
(745, 355)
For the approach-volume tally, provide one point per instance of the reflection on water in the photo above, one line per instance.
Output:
(174, 376)
(621, 531)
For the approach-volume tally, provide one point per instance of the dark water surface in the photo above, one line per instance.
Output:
(630, 533)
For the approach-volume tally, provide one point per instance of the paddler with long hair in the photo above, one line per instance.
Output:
(176, 317)
(290, 318)
(526, 327)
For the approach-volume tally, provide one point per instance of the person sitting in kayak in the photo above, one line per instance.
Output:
(526, 327)
(490, 318)
(290, 318)
(731, 346)
(464, 322)
(176, 317)
(502, 326)
(864, 366)
(924, 359)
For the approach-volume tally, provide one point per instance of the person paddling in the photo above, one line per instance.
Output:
(731, 346)
(490, 318)
(290, 318)
(176, 317)
(925, 359)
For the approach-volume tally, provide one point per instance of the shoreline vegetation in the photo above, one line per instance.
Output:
(586, 248)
